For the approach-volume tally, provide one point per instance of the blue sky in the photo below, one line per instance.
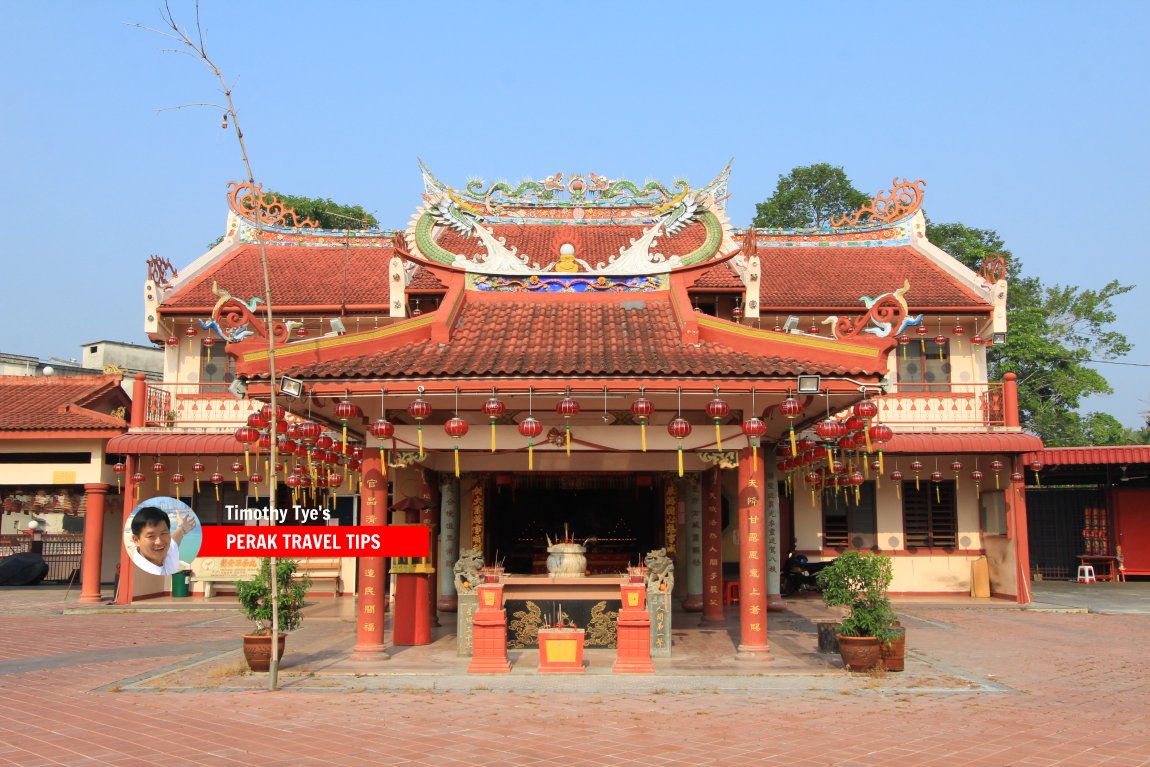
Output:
(1029, 118)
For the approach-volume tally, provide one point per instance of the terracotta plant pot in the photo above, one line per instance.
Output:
(859, 653)
(258, 651)
(893, 653)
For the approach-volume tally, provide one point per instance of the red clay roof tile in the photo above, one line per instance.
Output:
(425, 281)
(793, 278)
(593, 337)
(300, 276)
(65, 403)
(720, 277)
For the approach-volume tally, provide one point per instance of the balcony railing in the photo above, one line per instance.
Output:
(970, 405)
(210, 407)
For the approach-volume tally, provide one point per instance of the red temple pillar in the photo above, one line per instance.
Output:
(138, 419)
(429, 493)
(369, 641)
(752, 559)
(712, 548)
(93, 542)
(1020, 532)
(124, 585)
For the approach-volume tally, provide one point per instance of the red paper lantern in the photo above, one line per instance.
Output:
(265, 441)
(301, 331)
(567, 407)
(936, 476)
(334, 480)
(1036, 466)
(323, 442)
(976, 475)
(717, 410)
(247, 435)
(642, 409)
(209, 342)
(916, 466)
(190, 331)
(266, 413)
(958, 329)
(896, 475)
(237, 466)
(997, 465)
(791, 408)
(456, 428)
(880, 433)
(976, 340)
(940, 339)
(178, 479)
(956, 466)
(309, 431)
(420, 410)
(158, 467)
(348, 410)
(382, 429)
(679, 428)
(1017, 476)
(293, 431)
(830, 429)
(921, 329)
(173, 341)
(847, 443)
(530, 427)
(754, 428)
(903, 340)
(257, 421)
(866, 409)
(854, 423)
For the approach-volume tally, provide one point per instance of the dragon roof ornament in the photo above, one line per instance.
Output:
(659, 210)
(560, 190)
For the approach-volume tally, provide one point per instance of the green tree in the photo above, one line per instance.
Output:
(809, 196)
(1054, 333)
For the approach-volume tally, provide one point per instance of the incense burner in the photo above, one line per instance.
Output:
(568, 559)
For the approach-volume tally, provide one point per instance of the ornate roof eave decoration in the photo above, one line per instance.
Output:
(992, 269)
(250, 203)
(887, 207)
(887, 316)
(448, 208)
(575, 190)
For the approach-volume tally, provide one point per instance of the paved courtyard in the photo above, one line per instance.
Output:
(986, 684)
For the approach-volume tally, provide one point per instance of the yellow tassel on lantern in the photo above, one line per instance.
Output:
(217, 491)
(937, 494)
(916, 485)
(420, 429)
(157, 482)
(866, 470)
(956, 482)
(898, 490)
(754, 456)
(904, 350)
(866, 433)
(857, 492)
(718, 436)
(680, 459)
(256, 485)
(881, 470)
(996, 485)
(643, 431)
(138, 491)
(794, 446)
(567, 433)
(382, 465)
(493, 436)
(197, 484)
(1038, 479)
(247, 461)
(237, 482)
(531, 456)
(345, 438)
(456, 460)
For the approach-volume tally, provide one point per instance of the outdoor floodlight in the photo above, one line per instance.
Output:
(810, 384)
(238, 388)
(998, 338)
(291, 387)
(337, 327)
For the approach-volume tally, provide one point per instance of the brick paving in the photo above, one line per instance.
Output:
(983, 687)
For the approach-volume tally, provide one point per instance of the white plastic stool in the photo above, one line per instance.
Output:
(1086, 574)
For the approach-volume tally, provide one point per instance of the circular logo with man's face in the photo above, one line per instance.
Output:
(162, 536)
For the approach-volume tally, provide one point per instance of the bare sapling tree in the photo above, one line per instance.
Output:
(193, 47)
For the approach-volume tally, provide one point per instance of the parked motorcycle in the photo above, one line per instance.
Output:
(799, 575)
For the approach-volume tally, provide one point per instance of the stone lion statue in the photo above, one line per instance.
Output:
(660, 571)
(467, 571)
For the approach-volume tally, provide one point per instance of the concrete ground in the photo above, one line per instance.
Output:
(986, 684)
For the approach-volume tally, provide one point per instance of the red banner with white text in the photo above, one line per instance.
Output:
(315, 541)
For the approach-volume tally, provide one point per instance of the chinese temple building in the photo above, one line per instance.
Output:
(593, 359)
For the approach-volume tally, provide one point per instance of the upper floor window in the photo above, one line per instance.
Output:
(924, 365)
(930, 515)
(847, 522)
(217, 369)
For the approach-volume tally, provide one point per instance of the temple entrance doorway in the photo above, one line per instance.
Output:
(620, 516)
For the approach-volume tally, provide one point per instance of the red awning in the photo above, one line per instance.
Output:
(963, 442)
(174, 444)
(1081, 456)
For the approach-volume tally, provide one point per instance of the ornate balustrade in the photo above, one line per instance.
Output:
(208, 407)
(975, 405)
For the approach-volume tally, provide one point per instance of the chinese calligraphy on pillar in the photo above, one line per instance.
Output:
(369, 621)
(712, 548)
(670, 517)
(752, 558)
(477, 517)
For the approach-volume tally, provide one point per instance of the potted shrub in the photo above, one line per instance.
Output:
(859, 583)
(255, 597)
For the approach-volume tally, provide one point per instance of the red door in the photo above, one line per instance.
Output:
(1132, 522)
